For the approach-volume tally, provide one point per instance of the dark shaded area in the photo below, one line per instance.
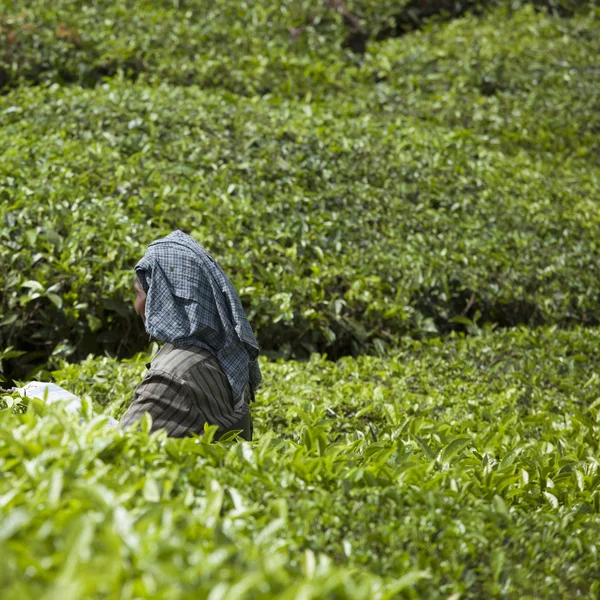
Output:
(46, 332)
(126, 336)
(417, 13)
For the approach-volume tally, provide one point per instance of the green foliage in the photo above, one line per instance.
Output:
(457, 182)
(263, 46)
(357, 188)
(459, 469)
(244, 47)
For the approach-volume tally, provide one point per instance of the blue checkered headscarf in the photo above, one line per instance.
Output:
(190, 301)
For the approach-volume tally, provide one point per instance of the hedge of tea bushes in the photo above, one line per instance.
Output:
(449, 176)
(465, 468)
(339, 235)
(248, 48)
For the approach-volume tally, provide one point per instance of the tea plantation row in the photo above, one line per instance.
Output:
(449, 175)
(463, 469)
(265, 46)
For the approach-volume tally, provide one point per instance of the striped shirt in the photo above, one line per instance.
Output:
(183, 389)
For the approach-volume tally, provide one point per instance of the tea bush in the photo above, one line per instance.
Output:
(358, 187)
(284, 47)
(465, 468)
(444, 177)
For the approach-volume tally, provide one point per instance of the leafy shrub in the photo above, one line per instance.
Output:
(459, 468)
(262, 46)
(445, 177)
(429, 184)
(246, 48)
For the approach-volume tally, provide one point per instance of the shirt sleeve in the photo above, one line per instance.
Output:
(168, 401)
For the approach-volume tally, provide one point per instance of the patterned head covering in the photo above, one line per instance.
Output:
(190, 301)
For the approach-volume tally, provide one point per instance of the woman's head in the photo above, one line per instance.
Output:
(185, 298)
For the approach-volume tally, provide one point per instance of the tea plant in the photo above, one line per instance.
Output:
(445, 177)
(371, 184)
(459, 469)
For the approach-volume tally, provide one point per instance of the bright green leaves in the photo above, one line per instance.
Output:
(454, 448)
(474, 480)
(37, 290)
(13, 522)
(441, 182)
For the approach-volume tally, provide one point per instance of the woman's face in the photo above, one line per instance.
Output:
(140, 299)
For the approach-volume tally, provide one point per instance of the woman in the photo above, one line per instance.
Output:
(206, 371)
